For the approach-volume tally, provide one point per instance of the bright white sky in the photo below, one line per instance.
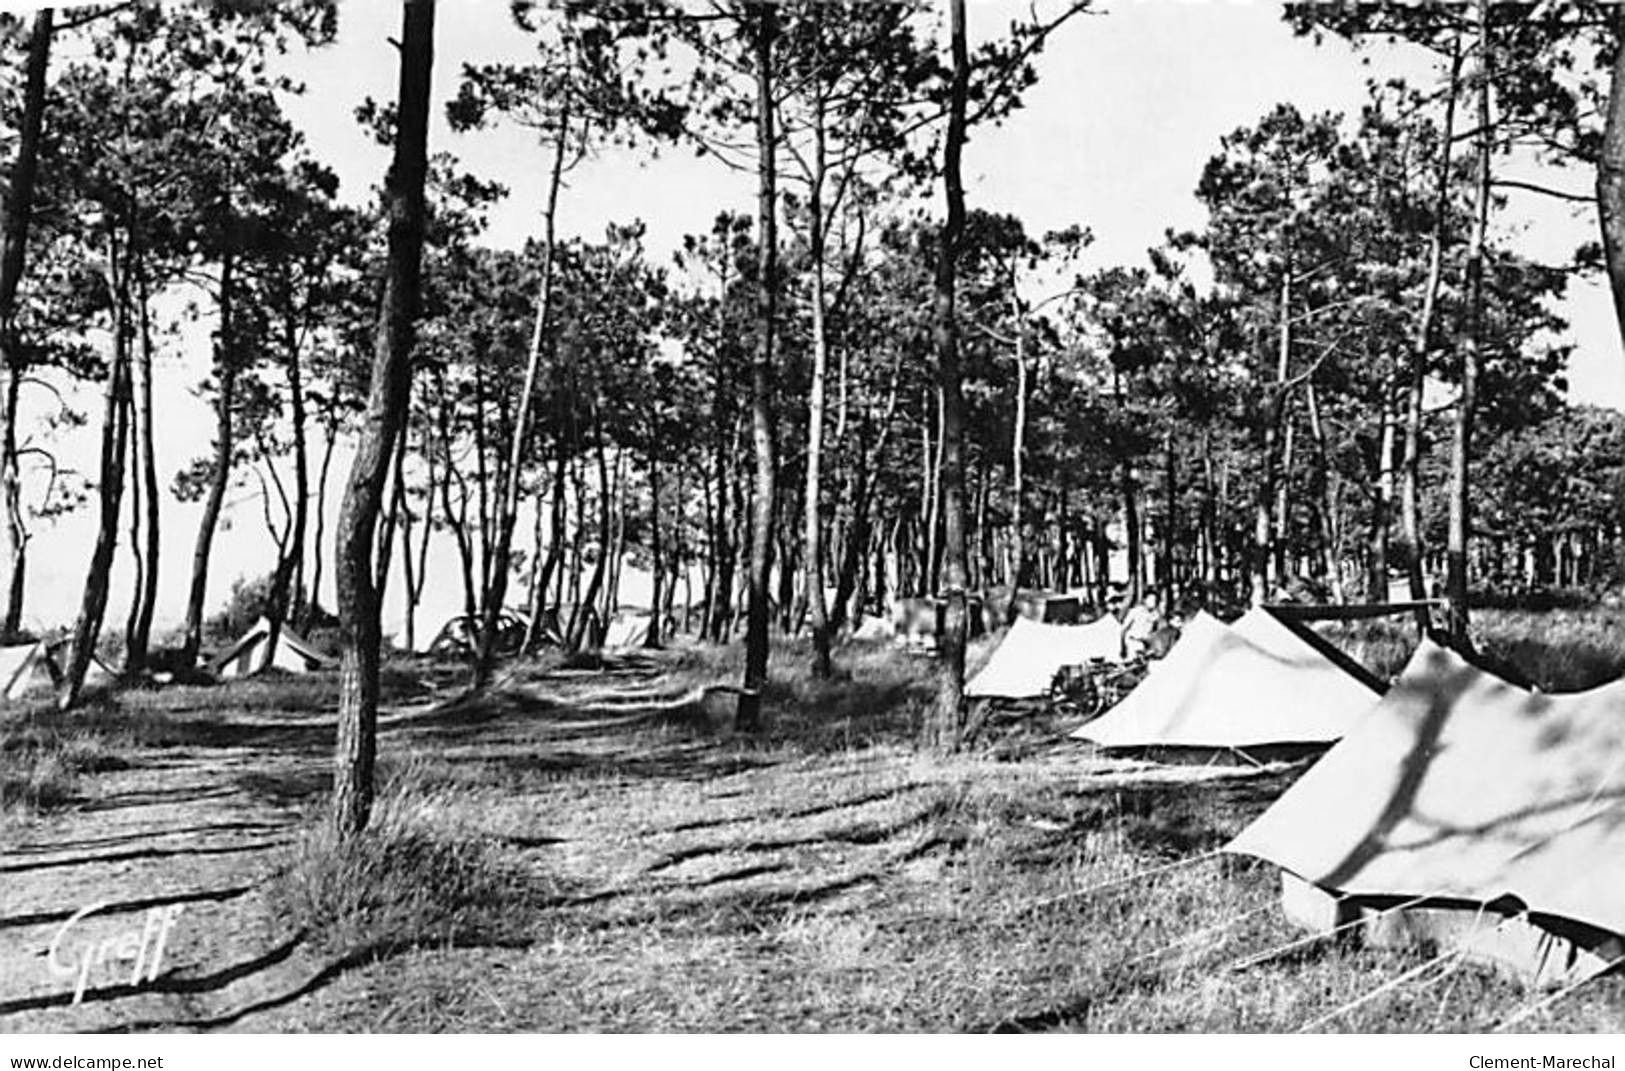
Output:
(1130, 105)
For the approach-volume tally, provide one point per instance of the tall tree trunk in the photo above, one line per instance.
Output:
(945, 725)
(225, 404)
(1170, 507)
(140, 631)
(1282, 541)
(1471, 356)
(813, 519)
(16, 214)
(1376, 588)
(555, 550)
(508, 507)
(319, 541)
(586, 604)
(654, 638)
(1274, 408)
(1611, 176)
(1018, 486)
(387, 398)
(293, 556)
(1411, 483)
(111, 491)
(395, 493)
(748, 715)
(1331, 542)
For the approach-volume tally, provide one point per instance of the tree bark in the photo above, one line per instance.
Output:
(386, 412)
(225, 402)
(313, 606)
(1611, 176)
(16, 215)
(1382, 503)
(1264, 538)
(945, 725)
(655, 638)
(817, 605)
(1410, 488)
(748, 714)
(146, 600)
(508, 507)
(114, 432)
(1018, 486)
(1471, 356)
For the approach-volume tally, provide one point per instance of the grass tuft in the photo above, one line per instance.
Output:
(44, 756)
(421, 875)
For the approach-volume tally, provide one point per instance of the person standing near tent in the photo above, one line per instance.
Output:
(1141, 622)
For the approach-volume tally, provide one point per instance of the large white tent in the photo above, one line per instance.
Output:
(627, 629)
(254, 652)
(1256, 683)
(1026, 661)
(1467, 811)
(25, 669)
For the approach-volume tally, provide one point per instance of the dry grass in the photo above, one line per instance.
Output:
(539, 863)
(421, 874)
(45, 755)
(824, 877)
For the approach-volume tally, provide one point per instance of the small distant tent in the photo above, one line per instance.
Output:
(874, 629)
(26, 669)
(253, 653)
(1466, 812)
(32, 669)
(629, 628)
(1025, 663)
(1255, 684)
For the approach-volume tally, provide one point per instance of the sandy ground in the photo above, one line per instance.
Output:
(171, 856)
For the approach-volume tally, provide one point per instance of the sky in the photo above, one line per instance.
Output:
(1131, 102)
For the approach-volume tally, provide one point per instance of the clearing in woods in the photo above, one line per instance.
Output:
(594, 850)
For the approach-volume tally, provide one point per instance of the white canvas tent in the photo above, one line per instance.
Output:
(1025, 662)
(253, 652)
(1469, 812)
(628, 628)
(1253, 684)
(874, 629)
(26, 669)
(32, 669)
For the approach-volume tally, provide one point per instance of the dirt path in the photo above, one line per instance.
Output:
(179, 846)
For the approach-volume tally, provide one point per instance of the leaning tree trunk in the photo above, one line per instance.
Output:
(508, 508)
(945, 727)
(748, 714)
(111, 492)
(225, 403)
(292, 559)
(1471, 355)
(16, 212)
(387, 398)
